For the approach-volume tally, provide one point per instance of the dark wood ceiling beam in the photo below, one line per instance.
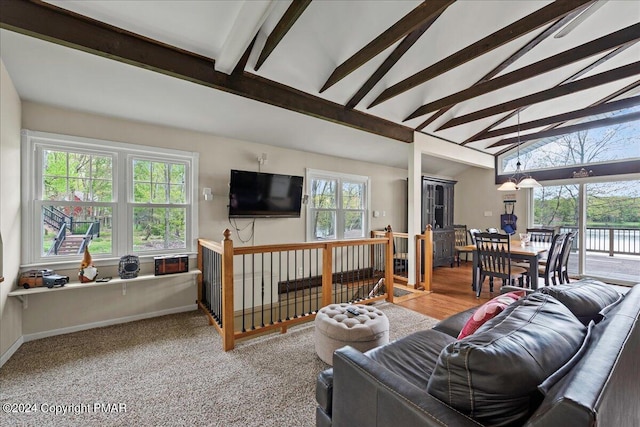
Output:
(551, 29)
(391, 60)
(242, 63)
(571, 78)
(545, 95)
(410, 22)
(57, 25)
(578, 53)
(511, 32)
(283, 26)
(609, 121)
(561, 118)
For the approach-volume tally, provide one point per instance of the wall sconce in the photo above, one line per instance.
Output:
(206, 192)
(262, 159)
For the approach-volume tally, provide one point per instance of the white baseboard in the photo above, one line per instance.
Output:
(61, 331)
(7, 354)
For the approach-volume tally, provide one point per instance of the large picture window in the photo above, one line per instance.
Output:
(338, 206)
(598, 145)
(113, 198)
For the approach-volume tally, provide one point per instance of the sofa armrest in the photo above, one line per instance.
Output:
(366, 393)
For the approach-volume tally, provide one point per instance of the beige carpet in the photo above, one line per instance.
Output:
(170, 371)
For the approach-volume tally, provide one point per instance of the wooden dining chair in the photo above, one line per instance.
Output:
(461, 242)
(562, 271)
(494, 260)
(543, 235)
(547, 271)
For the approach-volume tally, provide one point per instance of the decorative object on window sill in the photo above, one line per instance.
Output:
(88, 272)
(129, 267)
(583, 173)
(519, 179)
(44, 277)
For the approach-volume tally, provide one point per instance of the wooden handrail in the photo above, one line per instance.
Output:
(224, 317)
(283, 247)
(214, 246)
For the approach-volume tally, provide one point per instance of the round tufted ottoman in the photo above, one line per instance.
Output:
(335, 327)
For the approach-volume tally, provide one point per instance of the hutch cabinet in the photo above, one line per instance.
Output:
(437, 210)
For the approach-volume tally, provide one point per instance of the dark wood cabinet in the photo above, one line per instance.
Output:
(437, 210)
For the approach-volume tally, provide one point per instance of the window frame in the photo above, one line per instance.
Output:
(340, 178)
(122, 203)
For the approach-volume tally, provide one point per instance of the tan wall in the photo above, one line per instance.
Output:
(10, 111)
(220, 154)
(69, 309)
(477, 193)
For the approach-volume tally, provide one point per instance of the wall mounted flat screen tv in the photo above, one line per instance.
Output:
(264, 195)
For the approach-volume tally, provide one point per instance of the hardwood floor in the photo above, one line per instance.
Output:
(450, 293)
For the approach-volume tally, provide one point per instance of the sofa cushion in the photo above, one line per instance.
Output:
(585, 298)
(488, 311)
(414, 356)
(492, 375)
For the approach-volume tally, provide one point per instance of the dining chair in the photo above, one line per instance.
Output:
(547, 271)
(494, 260)
(543, 235)
(563, 270)
(472, 235)
(461, 242)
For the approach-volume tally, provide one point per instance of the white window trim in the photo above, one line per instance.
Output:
(122, 241)
(316, 173)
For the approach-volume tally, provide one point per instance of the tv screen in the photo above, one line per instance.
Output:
(264, 195)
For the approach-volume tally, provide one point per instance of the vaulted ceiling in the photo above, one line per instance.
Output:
(365, 75)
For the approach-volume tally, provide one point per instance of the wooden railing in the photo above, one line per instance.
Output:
(423, 258)
(400, 253)
(250, 290)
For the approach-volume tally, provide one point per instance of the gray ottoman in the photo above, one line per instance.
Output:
(335, 328)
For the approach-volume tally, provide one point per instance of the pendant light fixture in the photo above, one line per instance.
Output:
(519, 180)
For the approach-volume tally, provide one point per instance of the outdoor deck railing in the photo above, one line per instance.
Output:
(249, 290)
(609, 240)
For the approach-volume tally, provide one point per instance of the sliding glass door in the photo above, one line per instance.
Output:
(613, 230)
(558, 207)
(607, 217)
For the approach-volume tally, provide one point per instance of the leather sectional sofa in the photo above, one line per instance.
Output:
(566, 355)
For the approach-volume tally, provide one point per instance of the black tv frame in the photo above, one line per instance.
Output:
(248, 197)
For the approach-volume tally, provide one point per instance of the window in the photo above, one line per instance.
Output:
(338, 206)
(112, 197)
(606, 144)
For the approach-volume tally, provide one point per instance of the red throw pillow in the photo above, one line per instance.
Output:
(489, 310)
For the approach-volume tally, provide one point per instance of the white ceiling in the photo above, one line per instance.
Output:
(326, 34)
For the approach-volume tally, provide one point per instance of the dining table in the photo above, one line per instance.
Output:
(530, 252)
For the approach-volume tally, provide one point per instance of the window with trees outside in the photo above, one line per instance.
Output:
(112, 198)
(338, 206)
(607, 144)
